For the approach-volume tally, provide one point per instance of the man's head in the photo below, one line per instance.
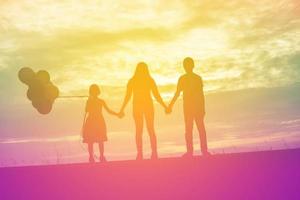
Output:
(188, 64)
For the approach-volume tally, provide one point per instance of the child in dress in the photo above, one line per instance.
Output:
(94, 127)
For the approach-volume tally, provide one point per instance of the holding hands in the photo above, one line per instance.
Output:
(168, 109)
(121, 114)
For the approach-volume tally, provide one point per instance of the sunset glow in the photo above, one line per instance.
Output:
(237, 45)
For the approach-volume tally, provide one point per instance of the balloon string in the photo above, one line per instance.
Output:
(73, 97)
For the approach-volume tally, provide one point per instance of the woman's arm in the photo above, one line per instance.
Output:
(157, 95)
(127, 97)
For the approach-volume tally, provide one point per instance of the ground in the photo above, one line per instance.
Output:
(256, 175)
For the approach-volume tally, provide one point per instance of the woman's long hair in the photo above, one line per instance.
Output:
(141, 72)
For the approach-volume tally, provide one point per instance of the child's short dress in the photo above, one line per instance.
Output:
(94, 130)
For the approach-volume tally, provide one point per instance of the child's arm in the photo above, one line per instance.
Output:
(109, 110)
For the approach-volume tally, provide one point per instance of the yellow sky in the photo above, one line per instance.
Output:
(237, 44)
(234, 43)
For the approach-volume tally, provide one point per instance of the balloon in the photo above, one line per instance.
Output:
(26, 74)
(35, 91)
(43, 76)
(45, 108)
(33, 82)
(42, 106)
(51, 92)
(41, 92)
(30, 95)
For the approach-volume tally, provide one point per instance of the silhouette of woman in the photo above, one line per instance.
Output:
(94, 127)
(140, 86)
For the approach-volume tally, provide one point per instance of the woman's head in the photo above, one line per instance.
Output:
(142, 71)
(94, 90)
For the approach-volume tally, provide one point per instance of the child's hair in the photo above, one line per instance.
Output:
(94, 90)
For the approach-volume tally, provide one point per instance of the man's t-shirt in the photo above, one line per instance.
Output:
(193, 98)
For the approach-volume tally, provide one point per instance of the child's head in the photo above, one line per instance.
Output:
(94, 90)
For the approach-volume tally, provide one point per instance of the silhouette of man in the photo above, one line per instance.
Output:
(193, 104)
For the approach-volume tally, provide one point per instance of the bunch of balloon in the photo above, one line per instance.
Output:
(41, 91)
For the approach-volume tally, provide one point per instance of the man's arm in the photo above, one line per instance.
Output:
(176, 95)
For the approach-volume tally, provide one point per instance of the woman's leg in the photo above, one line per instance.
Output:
(138, 118)
(150, 126)
(91, 152)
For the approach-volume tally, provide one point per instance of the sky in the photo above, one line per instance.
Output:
(247, 52)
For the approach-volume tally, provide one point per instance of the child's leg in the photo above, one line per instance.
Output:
(91, 151)
(101, 149)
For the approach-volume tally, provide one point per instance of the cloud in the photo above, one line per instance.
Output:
(294, 121)
(236, 31)
(40, 140)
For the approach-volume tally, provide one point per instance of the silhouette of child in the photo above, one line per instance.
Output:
(94, 127)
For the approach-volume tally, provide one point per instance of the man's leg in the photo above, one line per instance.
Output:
(189, 133)
(202, 134)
